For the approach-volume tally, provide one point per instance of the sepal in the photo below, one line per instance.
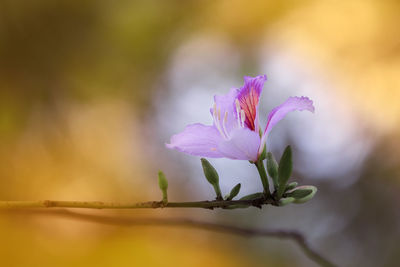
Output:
(286, 200)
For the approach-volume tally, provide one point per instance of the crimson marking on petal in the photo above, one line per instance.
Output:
(249, 102)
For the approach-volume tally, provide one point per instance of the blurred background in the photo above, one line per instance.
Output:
(90, 91)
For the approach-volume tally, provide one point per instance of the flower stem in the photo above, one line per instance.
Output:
(263, 175)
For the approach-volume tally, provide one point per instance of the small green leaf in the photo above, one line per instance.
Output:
(253, 196)
(235, 190)
(272, 168)
(163, 184)
(291, 186)
(247, 197)
(284, 170)
(285, 201)
(212, 177)
(303, 193)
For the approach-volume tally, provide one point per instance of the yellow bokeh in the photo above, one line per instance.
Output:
(89, 89)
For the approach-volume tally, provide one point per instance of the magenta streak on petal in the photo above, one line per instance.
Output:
(279, 112)
(249, 99)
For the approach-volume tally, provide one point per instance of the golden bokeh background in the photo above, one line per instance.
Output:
(91, 90)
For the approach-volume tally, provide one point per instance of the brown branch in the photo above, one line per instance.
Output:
(184, 222)
(258, 202)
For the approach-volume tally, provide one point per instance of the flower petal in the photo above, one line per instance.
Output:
(226, 104)
(279, 112)
(243, 144)
(198, 140)
(248, 97)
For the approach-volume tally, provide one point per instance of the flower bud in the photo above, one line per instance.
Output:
(212, 176)
(163, 184)
(302, 194)
(209, 172)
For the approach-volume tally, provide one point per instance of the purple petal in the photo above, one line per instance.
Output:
(243, 144)
(248, 97)
(198, 140)
(279, 112)
(226, 103)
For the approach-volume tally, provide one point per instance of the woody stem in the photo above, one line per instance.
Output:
(134, 205)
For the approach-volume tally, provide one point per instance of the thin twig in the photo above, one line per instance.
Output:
(209, 226)
(136, 205)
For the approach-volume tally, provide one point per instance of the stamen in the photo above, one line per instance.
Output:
(237, 103)
(238, 112)
(217, 120)
(243, 118)
(224, 123)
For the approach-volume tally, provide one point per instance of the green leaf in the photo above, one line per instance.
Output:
(303, 193)
(253, 196)
(212, 177)
(284, 170)
(291, 186)
(247, 197)
(285, 201)
(163, 184)
(235, 190)
(272, 168)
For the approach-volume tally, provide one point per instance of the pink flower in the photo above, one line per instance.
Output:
(235, 133)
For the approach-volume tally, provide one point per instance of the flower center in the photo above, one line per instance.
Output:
(220, 124)
(241, 116)
(248, 103)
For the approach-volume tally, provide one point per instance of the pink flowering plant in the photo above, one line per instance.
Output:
(236, 134)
